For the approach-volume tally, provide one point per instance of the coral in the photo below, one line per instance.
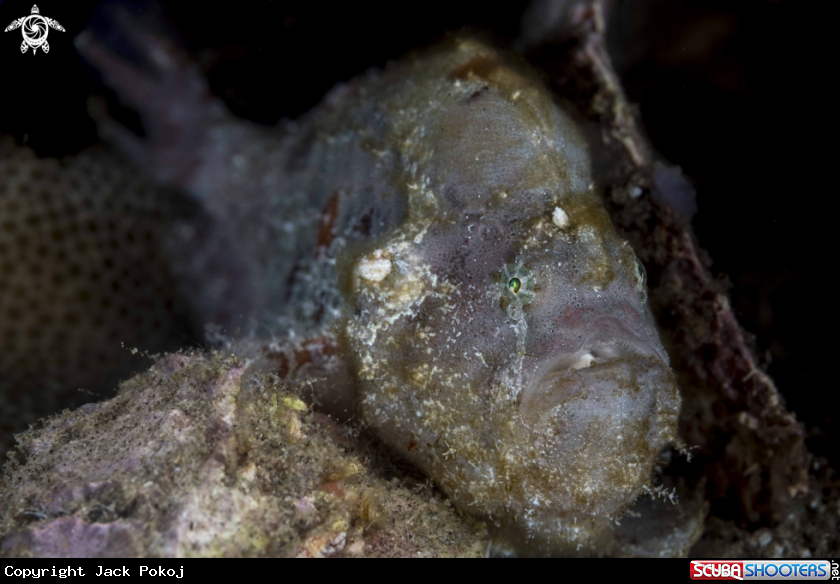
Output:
(82, 269)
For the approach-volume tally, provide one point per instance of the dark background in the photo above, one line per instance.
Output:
(739, 94)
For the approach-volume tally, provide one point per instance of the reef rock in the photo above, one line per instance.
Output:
(199, 457)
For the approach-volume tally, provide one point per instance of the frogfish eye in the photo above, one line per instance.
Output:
(517, 284)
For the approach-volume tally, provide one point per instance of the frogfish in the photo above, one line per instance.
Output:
(429, 246)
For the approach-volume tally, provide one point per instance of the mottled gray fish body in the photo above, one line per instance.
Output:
(435, 226)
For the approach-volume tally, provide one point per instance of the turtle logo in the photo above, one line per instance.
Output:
(35, 28)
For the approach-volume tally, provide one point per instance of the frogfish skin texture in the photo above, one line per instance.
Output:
(429, 240)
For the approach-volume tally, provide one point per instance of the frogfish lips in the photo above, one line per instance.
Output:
(612, 378)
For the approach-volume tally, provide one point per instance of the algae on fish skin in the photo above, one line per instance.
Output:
(462, 362)
(199, 457)
(750, 459)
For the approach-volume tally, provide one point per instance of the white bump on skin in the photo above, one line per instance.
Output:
(560, 218)
(586, 360)
(375, 268)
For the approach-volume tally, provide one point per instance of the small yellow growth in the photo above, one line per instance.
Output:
(288, 415)
(293, 427)
(368, 511)
(347, 470)
(295, 404)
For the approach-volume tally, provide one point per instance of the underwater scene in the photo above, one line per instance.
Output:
(433, 280)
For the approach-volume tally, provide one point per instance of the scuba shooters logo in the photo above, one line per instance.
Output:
(764, 570)
(717, 570)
